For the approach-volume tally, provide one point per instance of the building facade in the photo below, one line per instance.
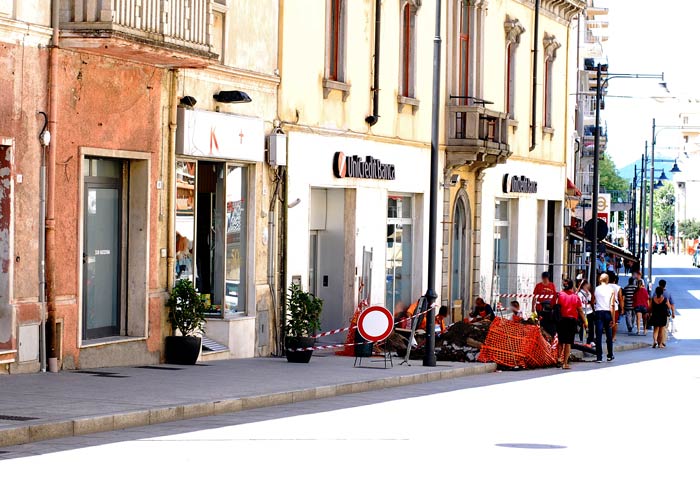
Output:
(355, 104)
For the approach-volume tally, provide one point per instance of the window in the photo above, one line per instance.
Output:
(408, 53)
(218, 29)
(548, 92)
(335, 69)
(399, 252)
(501, 246)
(465, 53)
(514, 29)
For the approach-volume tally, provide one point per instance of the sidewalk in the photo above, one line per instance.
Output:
(43, 406)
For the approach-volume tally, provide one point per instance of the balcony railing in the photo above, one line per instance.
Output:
(184, 25)
(477, 134)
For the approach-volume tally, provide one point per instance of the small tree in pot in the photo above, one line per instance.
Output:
(303, 319)
(186, 315)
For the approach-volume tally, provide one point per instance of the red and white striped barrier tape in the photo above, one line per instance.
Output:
(525, 295)
(352, 327)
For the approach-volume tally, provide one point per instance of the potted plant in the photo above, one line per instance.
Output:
(303, 319)
(186, 315)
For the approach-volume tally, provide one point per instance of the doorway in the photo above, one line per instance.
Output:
(461, 258)
(102, 246)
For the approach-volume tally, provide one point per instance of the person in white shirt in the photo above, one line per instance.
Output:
(603, 299)
(584, 293)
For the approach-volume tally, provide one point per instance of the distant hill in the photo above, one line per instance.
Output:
(627, 172)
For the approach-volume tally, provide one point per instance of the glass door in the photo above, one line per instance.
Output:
(399, 252)
(102, 248)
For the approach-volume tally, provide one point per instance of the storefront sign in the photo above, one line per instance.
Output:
(518, 184)
(354, 167)
(220, 135)
(604, 207)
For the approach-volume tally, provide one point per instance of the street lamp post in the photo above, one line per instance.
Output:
(600, 85)
(429, 359)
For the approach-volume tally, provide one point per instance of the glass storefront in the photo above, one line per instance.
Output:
(399, 252)
(211, 233)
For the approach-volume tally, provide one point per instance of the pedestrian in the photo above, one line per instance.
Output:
(603, 298)
(570, 310)
(544, 298)
(584, 293)
(641, 306)
(515, 313)
(618, 304)
(660, 307)
(482, 311)
(672, 312)
(628, 295)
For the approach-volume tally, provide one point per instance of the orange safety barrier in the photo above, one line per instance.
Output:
(514, 344)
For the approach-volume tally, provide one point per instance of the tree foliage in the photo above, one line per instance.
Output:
(664, 210)
(610, 179)
(689, 229)
(186, 308)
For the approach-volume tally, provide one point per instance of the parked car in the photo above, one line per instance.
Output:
(660, 247)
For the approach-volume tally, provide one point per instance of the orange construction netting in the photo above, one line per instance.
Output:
(514, 344)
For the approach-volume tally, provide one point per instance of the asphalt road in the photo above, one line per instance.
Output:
(634, 418)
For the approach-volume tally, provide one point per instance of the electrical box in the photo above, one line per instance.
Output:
(277, 149)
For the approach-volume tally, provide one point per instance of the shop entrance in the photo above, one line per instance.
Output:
(327, 253)
(461, 258)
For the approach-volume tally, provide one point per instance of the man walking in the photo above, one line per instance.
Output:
(603, 297)
(669, 297)
(630, 314)
(571, 310)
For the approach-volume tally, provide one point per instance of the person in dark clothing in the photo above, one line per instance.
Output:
(482, 311)
(628, 295)
(544, 298)
(660, 308)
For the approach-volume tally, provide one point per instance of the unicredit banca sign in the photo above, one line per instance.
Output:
(518, 184)
(355, 167)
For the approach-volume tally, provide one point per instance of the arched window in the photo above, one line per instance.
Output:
(550, 53)
(407, 82)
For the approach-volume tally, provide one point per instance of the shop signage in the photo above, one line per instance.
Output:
(201, 133)
(518, 184)
(604, 207)
(355, 167)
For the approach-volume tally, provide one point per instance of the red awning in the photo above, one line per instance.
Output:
(572, 189)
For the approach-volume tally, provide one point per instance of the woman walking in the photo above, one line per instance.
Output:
(660, 307)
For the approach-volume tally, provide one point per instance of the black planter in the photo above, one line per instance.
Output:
(293, 343)
(182, 350)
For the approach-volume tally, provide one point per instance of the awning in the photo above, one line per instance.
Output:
(619, 251)
(572, 189)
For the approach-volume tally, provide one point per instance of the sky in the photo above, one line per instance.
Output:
(649, 37)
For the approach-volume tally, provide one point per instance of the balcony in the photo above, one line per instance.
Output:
(476, 136)
(164, 33)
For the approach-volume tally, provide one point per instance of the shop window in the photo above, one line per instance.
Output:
(408, 50)
(399, 252)
(211, 233)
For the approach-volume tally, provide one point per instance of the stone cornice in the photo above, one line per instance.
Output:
(551, 45)
(13, 31)
(562, 11)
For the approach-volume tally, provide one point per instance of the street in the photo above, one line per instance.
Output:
(636, 417)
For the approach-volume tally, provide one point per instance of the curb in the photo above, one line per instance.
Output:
(172, 413)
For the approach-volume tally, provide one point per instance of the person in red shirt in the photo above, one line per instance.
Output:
(571, 309)
(545, 296)
(640, 300)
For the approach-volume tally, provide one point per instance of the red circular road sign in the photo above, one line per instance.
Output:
(375, 324)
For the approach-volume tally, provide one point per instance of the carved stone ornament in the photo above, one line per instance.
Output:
(550, 46)
(513, 29)
(416, 4)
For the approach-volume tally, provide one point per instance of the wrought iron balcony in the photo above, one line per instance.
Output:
(167, 33)
(476, 134)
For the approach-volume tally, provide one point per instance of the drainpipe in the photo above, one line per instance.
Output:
(44, 140)
(535, 51)
(172, 192)
(50, 226)
(374, 118)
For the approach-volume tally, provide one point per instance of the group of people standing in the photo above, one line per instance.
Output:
(597, 312)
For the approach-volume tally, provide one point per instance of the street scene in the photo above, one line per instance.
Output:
(340, 231)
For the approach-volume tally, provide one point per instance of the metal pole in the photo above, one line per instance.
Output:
(633, 216)
(596, 181)
(429, 359)
(651, 197)
(643, 211)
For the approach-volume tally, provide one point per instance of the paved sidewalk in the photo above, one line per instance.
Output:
(43, 406)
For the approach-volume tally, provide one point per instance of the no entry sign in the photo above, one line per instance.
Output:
(375, 324)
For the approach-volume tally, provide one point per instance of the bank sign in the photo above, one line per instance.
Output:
(518, 184)
(354, 166)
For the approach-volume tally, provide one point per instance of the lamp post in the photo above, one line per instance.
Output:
(429, 359)
(600, 85)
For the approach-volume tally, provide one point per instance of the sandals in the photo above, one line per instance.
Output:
(566, 367)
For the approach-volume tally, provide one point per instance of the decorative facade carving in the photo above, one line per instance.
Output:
(551, 45)
(564, 9)
(514, 29)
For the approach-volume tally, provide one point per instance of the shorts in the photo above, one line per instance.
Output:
(640, 309)
(566, 330)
